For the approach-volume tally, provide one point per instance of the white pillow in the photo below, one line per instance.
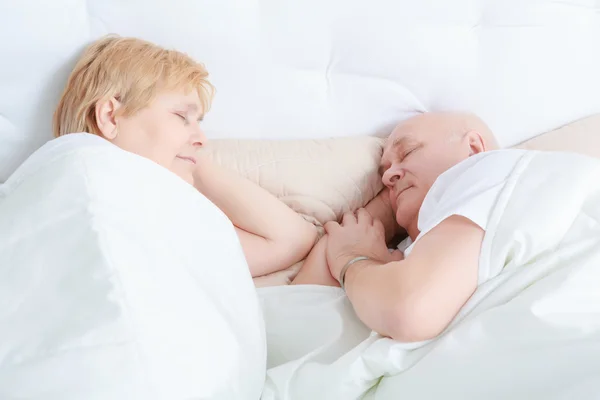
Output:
(121, 281)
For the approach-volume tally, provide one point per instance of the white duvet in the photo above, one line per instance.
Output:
(531, 331)
(119, 281)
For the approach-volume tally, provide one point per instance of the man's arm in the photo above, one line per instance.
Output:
(415, 299)
(272, 235)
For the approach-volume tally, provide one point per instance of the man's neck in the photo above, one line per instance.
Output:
(413, 230)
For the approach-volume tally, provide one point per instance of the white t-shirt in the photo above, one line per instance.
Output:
(469, 189)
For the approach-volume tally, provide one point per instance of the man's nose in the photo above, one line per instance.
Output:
(391, 176)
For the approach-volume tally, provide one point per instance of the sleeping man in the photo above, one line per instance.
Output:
(442, 189)
(449, 187)
(503, 251)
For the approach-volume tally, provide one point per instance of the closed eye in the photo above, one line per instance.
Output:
(183, 117)
(409, 152)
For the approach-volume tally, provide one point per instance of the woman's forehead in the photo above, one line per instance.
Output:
(188, 100)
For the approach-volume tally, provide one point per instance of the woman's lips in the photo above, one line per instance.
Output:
(191, 160)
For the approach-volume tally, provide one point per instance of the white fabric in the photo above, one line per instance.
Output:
(469, 189)
(318, 68)
(531, 330)
(121, 281)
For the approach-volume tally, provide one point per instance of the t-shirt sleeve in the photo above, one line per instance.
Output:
(469, 189)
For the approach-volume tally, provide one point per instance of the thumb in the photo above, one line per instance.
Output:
(329, 226)
(396, 255)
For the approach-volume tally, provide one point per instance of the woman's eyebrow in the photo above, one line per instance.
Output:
(192, 108)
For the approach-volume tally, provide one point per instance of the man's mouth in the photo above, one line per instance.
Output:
(402, 191)
(191, 160)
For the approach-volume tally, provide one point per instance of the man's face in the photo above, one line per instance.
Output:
(416, 153)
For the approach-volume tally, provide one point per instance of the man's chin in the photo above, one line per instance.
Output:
(404, 215)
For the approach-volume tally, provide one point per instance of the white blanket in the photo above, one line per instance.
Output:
(120, 281)
(531, 330)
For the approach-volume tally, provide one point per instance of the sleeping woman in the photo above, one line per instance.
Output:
(150, 101)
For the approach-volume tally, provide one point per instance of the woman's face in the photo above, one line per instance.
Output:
(167, 131)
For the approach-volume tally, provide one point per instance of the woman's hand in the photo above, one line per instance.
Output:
(314, 270)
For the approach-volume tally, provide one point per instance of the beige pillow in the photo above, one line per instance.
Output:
(320, 179)
(582, 136)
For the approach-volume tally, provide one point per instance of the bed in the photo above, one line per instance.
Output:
(89, 310)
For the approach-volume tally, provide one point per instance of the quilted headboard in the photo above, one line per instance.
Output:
(317, 68)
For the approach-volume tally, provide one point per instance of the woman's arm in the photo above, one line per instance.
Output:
(272, 235)
(315, 270)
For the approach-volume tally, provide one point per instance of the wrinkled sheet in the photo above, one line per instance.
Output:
(531, 330)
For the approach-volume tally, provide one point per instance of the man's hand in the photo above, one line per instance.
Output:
(381, 208)
(358, 235)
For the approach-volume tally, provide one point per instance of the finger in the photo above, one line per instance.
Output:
(396, 255)
(331, 226)
(363, 217)
(348, 218)
(378, 225)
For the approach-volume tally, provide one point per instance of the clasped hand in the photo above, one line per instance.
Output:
(357, 235)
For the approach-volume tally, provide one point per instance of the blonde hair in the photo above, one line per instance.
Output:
(133, 71)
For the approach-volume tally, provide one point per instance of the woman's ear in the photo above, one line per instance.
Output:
(475, 142)
(106, 111)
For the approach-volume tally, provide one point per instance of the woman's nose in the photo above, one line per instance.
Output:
(198, 137)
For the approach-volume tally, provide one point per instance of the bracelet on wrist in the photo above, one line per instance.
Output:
(345, 269)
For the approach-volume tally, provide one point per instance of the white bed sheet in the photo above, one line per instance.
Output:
(530, 332)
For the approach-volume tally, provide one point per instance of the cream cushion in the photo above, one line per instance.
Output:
(582, 136)
(320, 179)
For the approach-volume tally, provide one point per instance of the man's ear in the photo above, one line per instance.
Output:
(475, 142)
(106, 111)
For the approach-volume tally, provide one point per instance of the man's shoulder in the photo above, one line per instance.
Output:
(502, 157)
(487, 168)
(470, 188)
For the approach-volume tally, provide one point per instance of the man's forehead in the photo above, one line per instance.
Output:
(401, 140)
(400, 136)
(403, 135)
(393, 143)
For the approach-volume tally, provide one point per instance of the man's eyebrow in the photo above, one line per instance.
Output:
(396, 143)
(403, 141)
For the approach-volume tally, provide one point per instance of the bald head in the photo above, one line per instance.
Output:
(445, 126)
(422, 148)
